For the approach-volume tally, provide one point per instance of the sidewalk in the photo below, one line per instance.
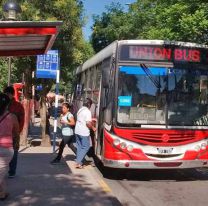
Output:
(38, 183)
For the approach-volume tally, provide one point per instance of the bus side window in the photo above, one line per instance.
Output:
(106, 67)
(108, 91)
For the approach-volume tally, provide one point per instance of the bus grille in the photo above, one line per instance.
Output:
(156, 137)
(163, 138)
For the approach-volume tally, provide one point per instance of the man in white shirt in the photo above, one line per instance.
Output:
(82, 131)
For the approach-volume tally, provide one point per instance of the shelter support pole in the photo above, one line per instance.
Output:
(33, 99)
(56, 110)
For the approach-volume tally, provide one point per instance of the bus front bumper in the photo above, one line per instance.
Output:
(133, 164)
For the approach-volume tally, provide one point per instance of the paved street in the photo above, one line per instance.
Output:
(160, 187)
(39, 183)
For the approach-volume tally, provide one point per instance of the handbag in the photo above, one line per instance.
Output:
(5, 142)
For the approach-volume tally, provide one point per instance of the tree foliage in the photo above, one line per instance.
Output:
(69, 42)
(4, 72)
(179, 20)
(111, 25)
(73, 48)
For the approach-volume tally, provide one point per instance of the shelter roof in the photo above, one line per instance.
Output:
(26, 38)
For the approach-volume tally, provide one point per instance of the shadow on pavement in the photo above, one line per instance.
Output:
(38, 183)
(155, 175)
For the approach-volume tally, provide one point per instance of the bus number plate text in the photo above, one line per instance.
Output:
(164, 150)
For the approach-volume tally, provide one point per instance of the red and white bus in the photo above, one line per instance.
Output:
(151, 103)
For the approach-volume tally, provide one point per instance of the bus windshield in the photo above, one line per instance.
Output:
(162, 96)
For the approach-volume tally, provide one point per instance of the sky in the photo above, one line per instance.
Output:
(92, 7)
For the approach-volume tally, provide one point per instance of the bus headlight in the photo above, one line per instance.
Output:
(203, 146)
(123, 145)
(116, 142)
(197, 148)
(130, 148)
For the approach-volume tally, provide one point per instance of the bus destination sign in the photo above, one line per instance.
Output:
(163, 54)
(157, 53)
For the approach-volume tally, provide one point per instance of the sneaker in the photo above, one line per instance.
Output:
(11, 176)
(55, 161)
(79, 166)
(4, 197)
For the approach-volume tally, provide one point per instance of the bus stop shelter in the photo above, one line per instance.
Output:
(26, 38)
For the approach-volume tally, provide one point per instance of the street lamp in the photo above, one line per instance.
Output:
(11, 9)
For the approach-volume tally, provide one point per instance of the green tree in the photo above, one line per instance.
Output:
(179, 20)
(73, 49)
(110, 26)
(4, 72)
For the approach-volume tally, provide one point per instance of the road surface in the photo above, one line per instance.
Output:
(158, 187)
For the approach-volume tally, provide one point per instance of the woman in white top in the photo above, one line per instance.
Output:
(67, 123)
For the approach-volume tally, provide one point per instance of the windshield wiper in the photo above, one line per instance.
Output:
(150, 75)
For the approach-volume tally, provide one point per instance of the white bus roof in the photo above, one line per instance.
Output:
(99, 57)
(111, 49)
(162, 42)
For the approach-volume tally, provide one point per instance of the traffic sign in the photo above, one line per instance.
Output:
(47, 65)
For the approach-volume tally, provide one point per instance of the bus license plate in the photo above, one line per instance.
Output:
(164, 150)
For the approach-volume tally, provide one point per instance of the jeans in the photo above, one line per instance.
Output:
(5, 158)
(13, 163)
(66, 140)
(83, 145)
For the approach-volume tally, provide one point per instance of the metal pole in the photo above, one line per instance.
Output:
(56, 110)
(33, 98)
(9, 71)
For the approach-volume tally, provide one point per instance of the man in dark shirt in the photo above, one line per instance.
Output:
(16, 108)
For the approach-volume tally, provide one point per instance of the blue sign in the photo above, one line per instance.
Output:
(39, 87)
(124, 101)
(161, 71)
(47, 65)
